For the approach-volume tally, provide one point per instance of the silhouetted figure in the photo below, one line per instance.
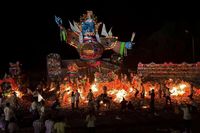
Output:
(143, 91)
(191, 92)
(12, 126)
(167, 96)
(56, 105)
(123, 105)
(72, 100)
(136, 92)
(152, 106)
(130, 105)
(77, 98)
(90, 97)
(160, 90)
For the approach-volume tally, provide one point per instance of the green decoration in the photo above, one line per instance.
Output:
(122, 47)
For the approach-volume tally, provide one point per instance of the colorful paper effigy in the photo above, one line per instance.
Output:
(85, 38)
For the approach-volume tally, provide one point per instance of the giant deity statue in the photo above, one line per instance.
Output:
(90, 42)
(84, 36)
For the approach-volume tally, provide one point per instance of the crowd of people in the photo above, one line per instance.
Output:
(42, 113)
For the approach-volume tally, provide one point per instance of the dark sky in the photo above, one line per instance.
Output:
(29, 33)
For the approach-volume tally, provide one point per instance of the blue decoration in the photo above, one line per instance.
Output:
(87, 26)
(128, 45)
(58, 20)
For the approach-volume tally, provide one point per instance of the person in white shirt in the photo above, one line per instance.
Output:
(49, 123)
(77, 98)
(34, 110)
(187, 117)
(8, 114)
(90, 120)
(42, 110)
(33, 106)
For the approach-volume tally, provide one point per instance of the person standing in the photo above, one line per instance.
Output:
(136, 92)
(123, 105)
(152, 102)
(33, 109)
(142, 92)
(56, 105)
(187, 118)
(167, 96)
(8, 114)
(77, 98)
(38, 125)
(60, 126)
(160, 90)
(191, 92)
(49, 123)
(90, 97)
(12, 126)
(42, 110)
(90, 120)
(72, 100)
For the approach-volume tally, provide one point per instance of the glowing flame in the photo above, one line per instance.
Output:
(119, 94)
(94, 88)
(178, 90)
(182, 86)
(19, 94)
(83, 98)
(130, 90)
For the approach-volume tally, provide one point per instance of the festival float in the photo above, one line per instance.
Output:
(84, 36)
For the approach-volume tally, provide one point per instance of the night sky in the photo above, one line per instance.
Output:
(29, 33)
